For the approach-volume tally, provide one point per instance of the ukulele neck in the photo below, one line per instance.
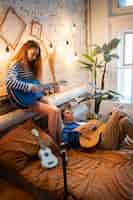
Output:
(40, 142)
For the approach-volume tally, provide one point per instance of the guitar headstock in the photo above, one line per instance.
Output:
(35, 132)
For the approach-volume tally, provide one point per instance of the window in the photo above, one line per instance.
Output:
(125, 3)
(121, 7)
(128, 49)
(129, 2)
(125, 69)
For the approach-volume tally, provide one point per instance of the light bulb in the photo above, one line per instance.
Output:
(7, 49)
(76, 56)
(67, 42)
(73, 27)
(51, 47)
(7, 53)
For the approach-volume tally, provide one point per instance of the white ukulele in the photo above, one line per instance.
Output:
(48, 159)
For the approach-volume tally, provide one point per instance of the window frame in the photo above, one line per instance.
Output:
(123, 66)
(123, 7)
(117, 10)
(124, 49)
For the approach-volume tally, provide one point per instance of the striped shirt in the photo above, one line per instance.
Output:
(17, 79)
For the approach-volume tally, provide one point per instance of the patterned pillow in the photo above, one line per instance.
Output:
(19, 146)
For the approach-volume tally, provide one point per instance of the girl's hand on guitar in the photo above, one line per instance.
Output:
(36, 88)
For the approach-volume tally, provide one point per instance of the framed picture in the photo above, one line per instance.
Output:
(12, 28)
(36, 29)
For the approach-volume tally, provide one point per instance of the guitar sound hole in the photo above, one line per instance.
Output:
(94, 128)
(46, 154)
(51, 162)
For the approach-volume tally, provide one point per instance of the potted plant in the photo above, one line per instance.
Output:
(97, 60)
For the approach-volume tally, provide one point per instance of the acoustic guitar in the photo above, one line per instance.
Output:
(90, 137)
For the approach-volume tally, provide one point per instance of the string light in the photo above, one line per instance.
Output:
(67, 42)
(51, 49)
(51, 45)
(76, 56)
(7, 49)
(7, 52)
(74, 27)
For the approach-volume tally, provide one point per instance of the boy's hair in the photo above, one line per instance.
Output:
(65, 107)
(62, 113)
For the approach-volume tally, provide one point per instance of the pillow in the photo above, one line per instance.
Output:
(19, 146)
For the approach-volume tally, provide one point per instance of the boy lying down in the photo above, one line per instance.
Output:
(116, 133)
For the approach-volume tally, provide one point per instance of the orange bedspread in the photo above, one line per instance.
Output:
(104, 175)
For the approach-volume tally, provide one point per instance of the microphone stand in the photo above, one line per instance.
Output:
(64, 167)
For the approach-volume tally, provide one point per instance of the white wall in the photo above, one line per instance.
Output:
(99, 10)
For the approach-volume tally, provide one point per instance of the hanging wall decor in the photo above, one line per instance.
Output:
(36, 29)
(12, 28)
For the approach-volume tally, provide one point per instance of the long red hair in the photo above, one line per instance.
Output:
(21, 57)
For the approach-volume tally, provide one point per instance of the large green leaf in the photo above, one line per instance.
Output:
(107, 58)
(104, 95)
(105, 48)
(97, 50)
(110, 94)
(89, 58)
(86, 65)
(113, 44)
(99, 66)
(114, 56)
(114, 92)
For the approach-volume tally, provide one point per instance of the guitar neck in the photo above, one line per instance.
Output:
(51, 85)
(101, 121)
(48, 85)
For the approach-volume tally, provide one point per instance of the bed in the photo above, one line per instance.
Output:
(94, 174)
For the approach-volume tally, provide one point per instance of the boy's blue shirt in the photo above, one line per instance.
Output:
(69, 135)
(69, 126)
